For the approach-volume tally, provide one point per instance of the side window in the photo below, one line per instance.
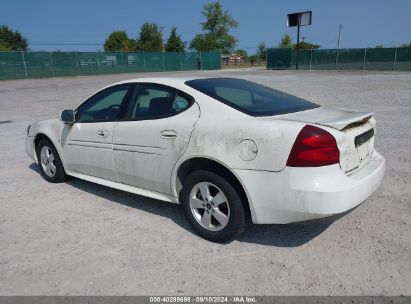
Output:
(104, 106)
(180, 103)
(151, 101)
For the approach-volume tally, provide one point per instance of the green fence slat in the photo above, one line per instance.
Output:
(65, 64)
(380, 59)
(279, 58)
(88, 63)
(350, 59)
(11, 66)
(38, 64)
(172, 61)
(303, 59)
(323, 59)
(403, 59)
(210, 60)
(341, 59)
(14, 65)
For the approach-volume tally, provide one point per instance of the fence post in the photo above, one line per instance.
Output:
(336, 58)
(24, 64)
(164, 65)
(395, 57)
(181, 61)
(311, 57)
(122, 61)
(363, 63)
(291, 57)
(98, 62)
(144, 62)
(78, 65)
(51, 62)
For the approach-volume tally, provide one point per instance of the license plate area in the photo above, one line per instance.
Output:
(363, 138)
(363, 151)
(362, 144)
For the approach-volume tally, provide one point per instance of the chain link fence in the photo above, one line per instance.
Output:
(341, 59)
(16, 65)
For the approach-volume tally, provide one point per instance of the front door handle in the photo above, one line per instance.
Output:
(168, 134)
(102, 133)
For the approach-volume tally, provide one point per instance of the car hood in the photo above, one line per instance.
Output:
(336, 118)
(52, 120)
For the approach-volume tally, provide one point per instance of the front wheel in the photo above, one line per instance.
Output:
(213, 206)
(51, 167)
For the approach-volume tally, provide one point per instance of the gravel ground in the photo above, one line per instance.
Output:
(79, 238)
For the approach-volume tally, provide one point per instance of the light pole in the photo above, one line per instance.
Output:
(298, 20)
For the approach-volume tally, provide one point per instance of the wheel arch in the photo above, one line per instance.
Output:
(43, 136)
(206, 163)
(39, 137)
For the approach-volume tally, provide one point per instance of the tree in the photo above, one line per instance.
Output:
(174, 42)
(203, 43)
(286, 42)
(242, 53)
(118, 41)
(12, 40)
(254, 58)
(406, 45)
(217, 26)
(262, 51)
(150, 38)
(307, 45)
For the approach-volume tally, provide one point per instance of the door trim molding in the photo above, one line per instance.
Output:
(90, 144)
(124, 187)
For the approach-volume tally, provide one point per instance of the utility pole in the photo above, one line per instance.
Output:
(338, 45)
(339, 37)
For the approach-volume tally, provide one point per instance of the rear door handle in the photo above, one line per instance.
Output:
(102, 133)
(168, 134)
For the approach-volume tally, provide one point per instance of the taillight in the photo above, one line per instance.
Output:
(314, 147)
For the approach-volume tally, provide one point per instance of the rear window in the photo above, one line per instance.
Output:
(249, 97)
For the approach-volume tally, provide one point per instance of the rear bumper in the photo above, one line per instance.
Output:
(298, 194)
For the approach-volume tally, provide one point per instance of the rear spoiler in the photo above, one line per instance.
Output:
(336, 118)
(346, 120)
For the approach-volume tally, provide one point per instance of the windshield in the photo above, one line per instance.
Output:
(249, 97)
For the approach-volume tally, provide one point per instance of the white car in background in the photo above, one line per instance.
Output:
(228, 150)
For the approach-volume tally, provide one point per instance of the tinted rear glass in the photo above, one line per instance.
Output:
(249, 97)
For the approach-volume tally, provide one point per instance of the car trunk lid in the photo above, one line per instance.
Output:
(356, 130)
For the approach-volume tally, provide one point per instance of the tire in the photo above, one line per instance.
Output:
(49, 161)
(206, 216)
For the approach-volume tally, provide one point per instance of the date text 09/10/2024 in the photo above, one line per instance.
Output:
(205, 299)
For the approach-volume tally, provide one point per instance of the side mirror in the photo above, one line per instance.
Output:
(67, 116)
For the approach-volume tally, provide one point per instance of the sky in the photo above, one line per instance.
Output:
(83, 25)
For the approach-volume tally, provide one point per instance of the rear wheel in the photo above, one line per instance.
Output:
(213, 206)
(51, 167)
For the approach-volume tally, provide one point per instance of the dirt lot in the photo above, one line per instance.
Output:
(79, 238)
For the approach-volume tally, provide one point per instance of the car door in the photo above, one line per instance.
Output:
(87, 144)
(156, 133)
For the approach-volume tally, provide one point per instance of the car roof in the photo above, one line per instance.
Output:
(171, 81)
(164, 80)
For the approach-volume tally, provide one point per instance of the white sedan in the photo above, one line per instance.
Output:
(228, 150)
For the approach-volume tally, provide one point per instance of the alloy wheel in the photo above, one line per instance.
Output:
(47, 161)
(209, 206)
